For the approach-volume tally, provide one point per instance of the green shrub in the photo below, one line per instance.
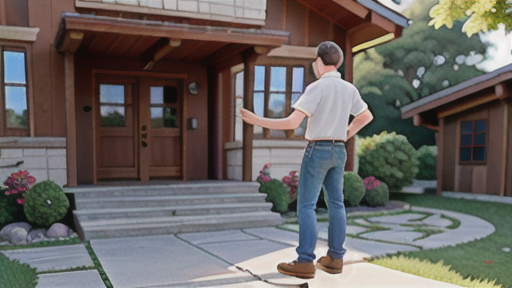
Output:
(9, 209)
(390, 158)
(277, 193)
(427, 155)
(45, 203)
(377, 192)
(353, 189)
(16, 275)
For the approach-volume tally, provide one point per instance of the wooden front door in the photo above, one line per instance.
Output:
(138, 128)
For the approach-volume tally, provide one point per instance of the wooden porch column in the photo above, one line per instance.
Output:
(440, 146)
(249, 61)
(69, 82)
(349, 76)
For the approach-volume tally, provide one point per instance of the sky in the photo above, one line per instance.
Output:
(499, 53)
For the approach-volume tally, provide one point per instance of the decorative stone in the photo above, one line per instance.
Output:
(4, 233)
(18, 236)
(36, 236)
(506, 249)
(58, 230)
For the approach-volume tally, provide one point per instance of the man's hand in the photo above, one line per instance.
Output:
(248, 116)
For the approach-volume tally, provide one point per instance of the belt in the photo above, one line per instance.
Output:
(327, 141)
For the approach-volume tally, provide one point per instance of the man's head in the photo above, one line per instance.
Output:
(329, 58)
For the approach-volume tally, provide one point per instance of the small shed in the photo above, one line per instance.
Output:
(474, 138)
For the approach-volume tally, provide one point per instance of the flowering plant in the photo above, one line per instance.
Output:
(292, 181)
(264, 174)
(19, 183)
(371, 183)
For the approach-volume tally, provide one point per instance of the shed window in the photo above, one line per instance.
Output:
(14, 113)
(473, 141)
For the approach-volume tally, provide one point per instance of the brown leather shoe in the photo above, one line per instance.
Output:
(330, 265)
(299, 270)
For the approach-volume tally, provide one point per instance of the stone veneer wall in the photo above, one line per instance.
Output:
(284, 155)
(239, 11)
(43, 157)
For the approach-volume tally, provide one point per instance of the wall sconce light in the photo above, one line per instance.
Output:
(192, 88)
(191, 123)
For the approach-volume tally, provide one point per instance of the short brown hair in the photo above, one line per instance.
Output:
(330, 53)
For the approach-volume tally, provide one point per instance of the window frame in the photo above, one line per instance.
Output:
(472, 146)
(4, 130)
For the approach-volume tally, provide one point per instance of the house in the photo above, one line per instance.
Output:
(474, 139)
(95, 90)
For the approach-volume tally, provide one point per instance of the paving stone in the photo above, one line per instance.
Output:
(393, 236)
(52, 258)
(275, 234)
(374, 248)
(213, 237)
(77, 279)
(154, 261)
(236, 252)
(397, 219)
(355, 229)
(363, 222)
(436, 220)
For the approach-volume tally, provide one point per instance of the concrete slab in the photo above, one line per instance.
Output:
(52, 258)
(405, 237)
(275, 234)
(397, 219)
(363, 222)
(470, 229)
(239, 251)
(436, 220)
(478, 197)
(374, 248)
(154, 260)
(355, 229)
(215, 237)
(77, 279)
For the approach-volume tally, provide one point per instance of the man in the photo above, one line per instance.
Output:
(327, 102)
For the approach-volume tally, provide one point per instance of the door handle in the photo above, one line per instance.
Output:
(144, 144)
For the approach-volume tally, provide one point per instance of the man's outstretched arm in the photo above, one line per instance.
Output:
(289, 123)
(358, 123)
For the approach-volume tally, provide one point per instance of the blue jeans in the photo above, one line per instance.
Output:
(323, 163)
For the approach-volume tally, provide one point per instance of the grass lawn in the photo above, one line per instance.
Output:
(482, 258)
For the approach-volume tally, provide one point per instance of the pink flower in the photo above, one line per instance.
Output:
(18, 183)
(292, 181)
(20, 201)
(371, 183)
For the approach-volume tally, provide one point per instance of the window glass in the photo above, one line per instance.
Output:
(480, 126)
(479, 139)
(112, 116)
(276, 105)
(467, 127)
(170, 95)
(278, 79)
(465, 140)
(465, 154)
(157, 95)
(16, 107)
(479, 154)
(164, 117)
(14, 67)
(298, 79)
(113, 94)
(259, 78)
(259, 104)
(239, 103)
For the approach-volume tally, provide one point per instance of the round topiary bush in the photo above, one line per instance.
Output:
(427, 155)
(377, 192)
(277, 193)
(353, 189)
(45, 203)
(16, 275)
(390, 158)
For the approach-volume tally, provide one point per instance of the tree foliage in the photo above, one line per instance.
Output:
(420, 63)
(480, 15)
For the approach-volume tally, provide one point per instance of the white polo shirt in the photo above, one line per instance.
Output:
(329, 102)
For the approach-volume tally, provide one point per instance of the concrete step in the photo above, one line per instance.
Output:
(156, 212)
(167, 201)
(164, 190)
(132, 227)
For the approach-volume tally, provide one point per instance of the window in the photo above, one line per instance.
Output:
(164, 107)
(276, 89)
(473, 141)
(14, 113)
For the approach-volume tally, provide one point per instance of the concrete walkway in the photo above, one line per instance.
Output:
(207, 259)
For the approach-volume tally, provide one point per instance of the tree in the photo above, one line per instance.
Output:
(421, 62)
(481, 15)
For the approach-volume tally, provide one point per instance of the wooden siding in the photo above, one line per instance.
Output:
(449, 152)
(508, 184)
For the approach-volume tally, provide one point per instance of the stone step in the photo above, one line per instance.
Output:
(132, 227)
(153, 212)
(167, 201)
(164, 190)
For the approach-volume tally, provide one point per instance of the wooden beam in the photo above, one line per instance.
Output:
(159, 51)
(71, 42)
(225, 54)
(71, 157)
(312, 8)
(289, 51)
(250, 58)
(440, 147)
(3, 16)
(465, 105)
(353, 7)
(349, 76)
(506, 131)
(501, 91)
(169, 30)
(419, 121)
(383, 23)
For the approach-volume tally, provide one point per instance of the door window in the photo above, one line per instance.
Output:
(112, 105)
(164, 107)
